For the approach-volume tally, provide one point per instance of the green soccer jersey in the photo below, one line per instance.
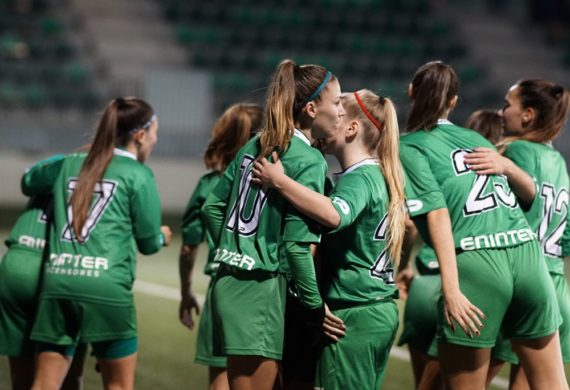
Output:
(356, 264)
(426, 261)
(30, 228)
(548, 213)
(483, 210)
(125, 210)
(566, 239)
(193, 229)
(258, 220)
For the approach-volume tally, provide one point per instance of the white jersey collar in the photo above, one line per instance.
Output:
(299, 133)
(124, 153)
(442, 121)
(353, 167)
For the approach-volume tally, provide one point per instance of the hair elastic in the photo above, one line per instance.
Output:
(366, 112)
(321, 86)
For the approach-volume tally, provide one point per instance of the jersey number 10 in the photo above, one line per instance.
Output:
(249, 203)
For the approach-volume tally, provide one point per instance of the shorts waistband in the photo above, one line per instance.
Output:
(239, 272)
(348, 305)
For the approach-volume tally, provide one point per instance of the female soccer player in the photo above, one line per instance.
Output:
(231, 131)
(259, 236)
(420, 315)
(103, 201)
(366, 214)
(533, 115)
(20, 274)
(483, 244)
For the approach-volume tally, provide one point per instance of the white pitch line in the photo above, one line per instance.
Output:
(173, 294)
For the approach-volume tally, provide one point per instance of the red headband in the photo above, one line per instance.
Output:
(366, 112)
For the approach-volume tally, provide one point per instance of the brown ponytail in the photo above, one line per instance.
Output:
(290, 89)
(384, 142)
(433, 86)
(230, 132)
(120, 119)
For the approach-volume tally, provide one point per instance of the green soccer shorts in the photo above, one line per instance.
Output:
(249, 313)
(63, 321)
(19, 276)
(205, 341)
(358, 360)
(420, 314)
(514, 290)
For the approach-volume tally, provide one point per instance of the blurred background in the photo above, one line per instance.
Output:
(62, 60)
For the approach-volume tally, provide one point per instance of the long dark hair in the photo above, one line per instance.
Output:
(230, 132)
(290, 90)
(551, 103)
(118, 122)
(433, 86)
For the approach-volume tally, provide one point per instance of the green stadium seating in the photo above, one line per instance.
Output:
(39, 67)
(362, 41)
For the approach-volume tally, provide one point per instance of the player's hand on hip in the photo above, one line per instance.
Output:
(458, 308)
(333, 327)
(404, 279)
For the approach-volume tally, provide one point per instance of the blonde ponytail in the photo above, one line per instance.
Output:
(388, 151)
(279, 124)
(381, 133)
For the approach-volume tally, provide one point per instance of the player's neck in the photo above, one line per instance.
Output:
(307, 133)
(350, 155)
(131, 147)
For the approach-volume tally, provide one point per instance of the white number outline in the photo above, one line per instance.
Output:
(477, 201)
(553, 202)
(383, 268)
(104, 192)
(247, 224)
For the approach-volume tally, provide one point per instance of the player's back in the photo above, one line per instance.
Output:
(258, 219)
(124, 206)
(484, 211)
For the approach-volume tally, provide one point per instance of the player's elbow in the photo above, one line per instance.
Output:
(149, 246)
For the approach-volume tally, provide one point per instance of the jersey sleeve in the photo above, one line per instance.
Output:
(423, 193)
(39, 179)
(145, 214)
(216, 203)
(519, 154)
(193, 229)
(349, 197)
(223, 189)
(298, 227)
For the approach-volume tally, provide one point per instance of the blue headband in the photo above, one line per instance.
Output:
(321, 86)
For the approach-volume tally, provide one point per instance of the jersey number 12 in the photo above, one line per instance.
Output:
(554, 202)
